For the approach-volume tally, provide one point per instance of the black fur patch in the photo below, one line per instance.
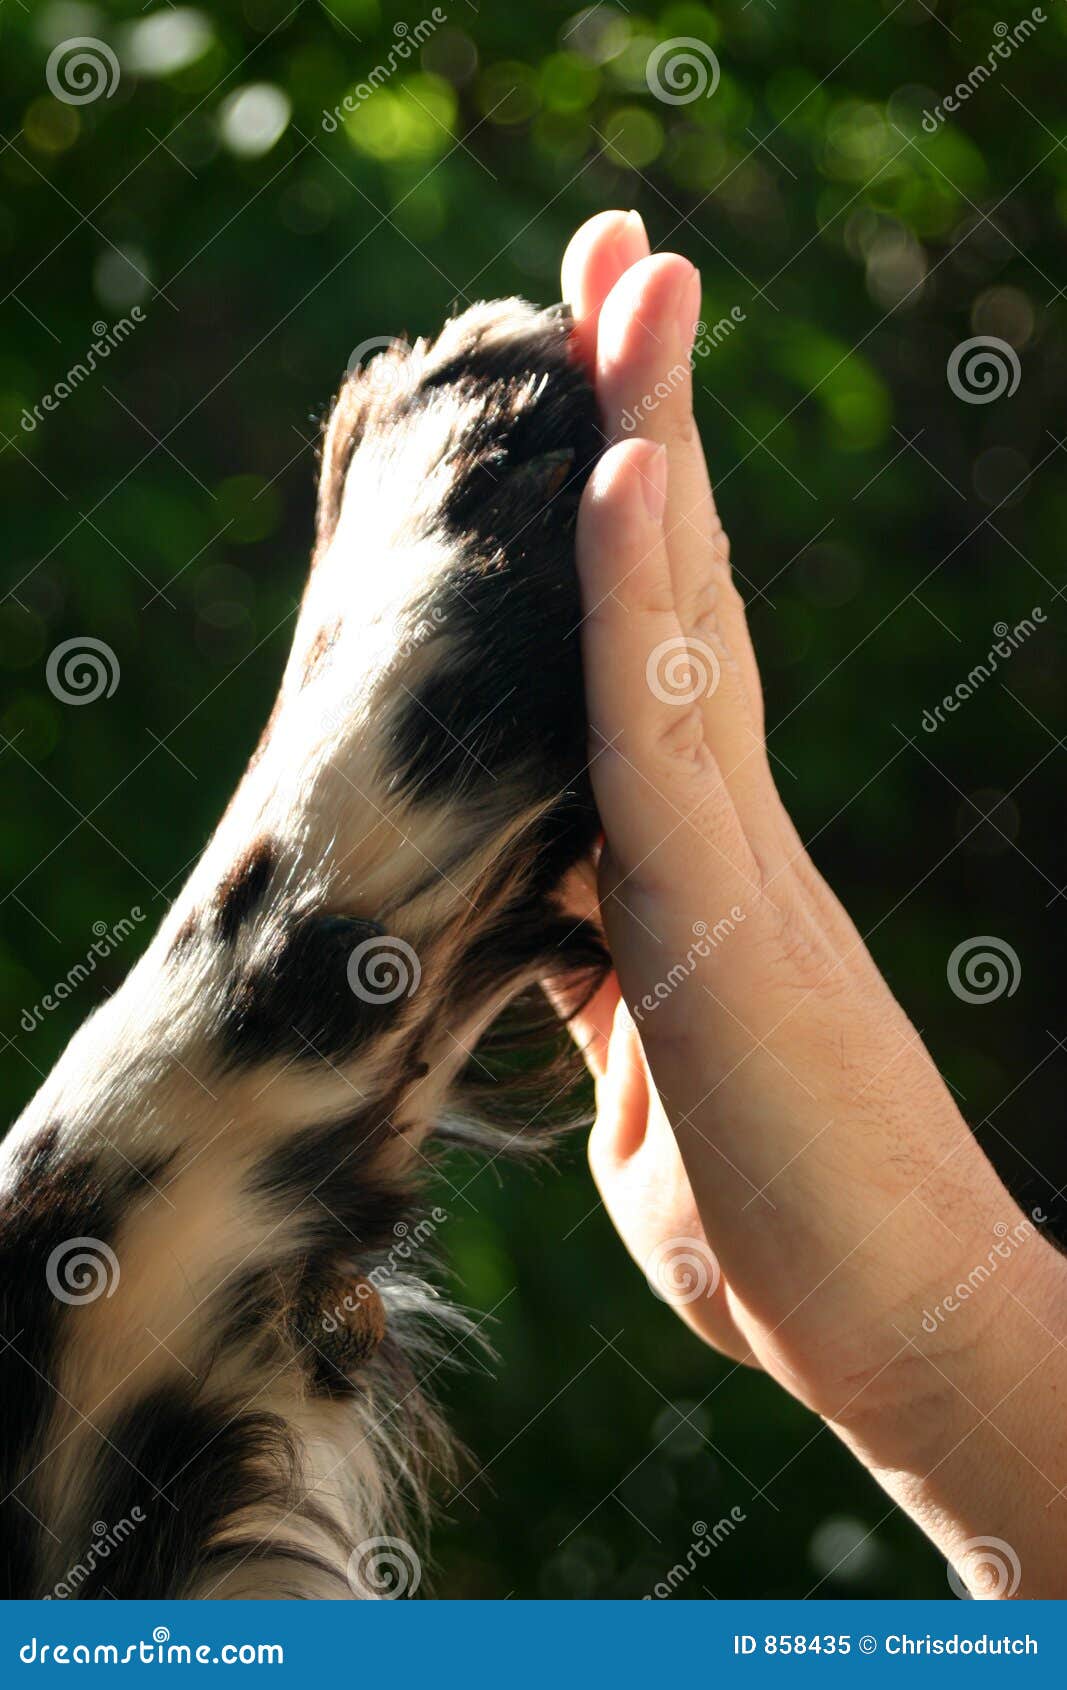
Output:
(327, 1173)
(241, 892)
(347, 1213)
(191, 1467)
(296, 999)
(247, 1310)
(509, 695)
(524, 939)
(52, 1202)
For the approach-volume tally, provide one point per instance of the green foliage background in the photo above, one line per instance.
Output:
(881, 527)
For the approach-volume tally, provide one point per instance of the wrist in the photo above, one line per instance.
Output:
(976, 1449)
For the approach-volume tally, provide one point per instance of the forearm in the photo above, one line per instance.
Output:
(970, 1439)
(895, 1286)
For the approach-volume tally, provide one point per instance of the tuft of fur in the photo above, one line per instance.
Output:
(212, 1321)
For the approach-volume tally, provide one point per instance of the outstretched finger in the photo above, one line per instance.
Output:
(601, 251)
(645, 386)
(669, 820)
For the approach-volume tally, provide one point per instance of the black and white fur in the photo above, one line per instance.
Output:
(242, 1128)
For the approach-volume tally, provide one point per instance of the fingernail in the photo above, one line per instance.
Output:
(654, 483)
(689, 308)
(637, 223)
(631, 242)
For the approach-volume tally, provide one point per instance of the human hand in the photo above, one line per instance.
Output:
(759, 1090)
